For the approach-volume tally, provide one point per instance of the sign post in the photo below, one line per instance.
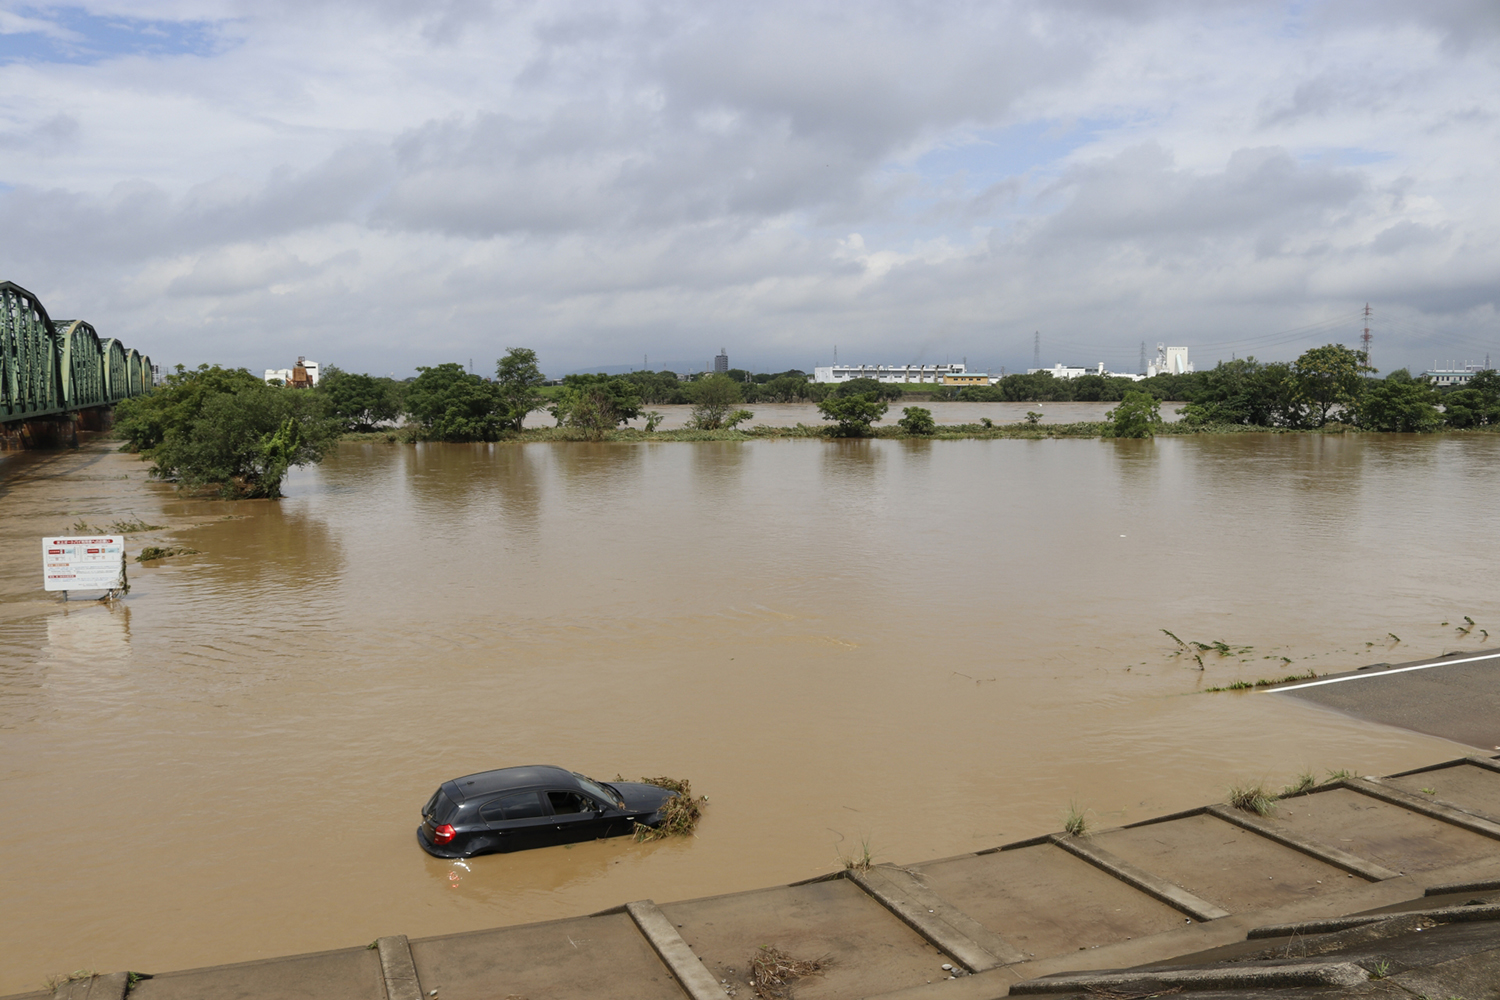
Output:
(84, 562)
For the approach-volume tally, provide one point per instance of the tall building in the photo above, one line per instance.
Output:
(1170, 361)
(721, 362)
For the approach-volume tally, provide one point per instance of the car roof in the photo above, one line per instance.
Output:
(501, 779)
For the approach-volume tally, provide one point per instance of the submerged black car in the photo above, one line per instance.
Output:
(518, 808)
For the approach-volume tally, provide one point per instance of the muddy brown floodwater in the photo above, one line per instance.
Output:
(926, 647)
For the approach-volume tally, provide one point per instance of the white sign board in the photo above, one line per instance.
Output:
(81, 562)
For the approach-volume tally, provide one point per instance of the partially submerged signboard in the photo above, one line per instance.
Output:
(81, 562)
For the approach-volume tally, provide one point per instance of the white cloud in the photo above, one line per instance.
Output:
(384, 185)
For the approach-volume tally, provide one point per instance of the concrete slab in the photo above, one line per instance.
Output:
(1473, 789)
(1224, 864)
(1456, 698)
(1150, 883)
(953, 931)
(346, 974)
(584, 958)
(1045, 901)
(1388, 834)
(864, 948)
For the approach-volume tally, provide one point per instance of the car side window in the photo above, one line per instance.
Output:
(564, 803)
(516, 805)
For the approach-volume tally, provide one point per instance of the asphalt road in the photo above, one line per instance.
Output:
(1455, 697)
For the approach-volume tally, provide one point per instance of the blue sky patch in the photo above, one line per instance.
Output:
(998, 154)
(79, 37)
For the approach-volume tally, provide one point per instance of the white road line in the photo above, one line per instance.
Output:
(1380, 673)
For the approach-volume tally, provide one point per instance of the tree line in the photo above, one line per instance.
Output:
(231, 430)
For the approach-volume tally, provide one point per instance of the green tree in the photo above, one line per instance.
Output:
(1137, 416)
(868, 386)
(786, 389)
(854, 414)
(518, 387)
(226, 429)
(1399, 403)
(143, 421)
(916, 420)
(596, 404)
(1329, 376)
(1244, 391)
(713, 399)
(1038, 388)
(451, 404)
(1476, 404)
(656, 388)
(359, 402)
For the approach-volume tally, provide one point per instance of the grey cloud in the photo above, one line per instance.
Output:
(1140, 196)
(752, 117)
(232, 270)
(139, 219)
(55, 135)
(1406, 234)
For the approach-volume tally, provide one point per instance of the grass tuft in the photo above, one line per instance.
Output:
(1252, 798)
(154, 552)
(1076, 822)
(53, 983)
(1264, 682)
(125, 527)
(773, 970)
(863, 860)
(1306, 782)
(679, 814)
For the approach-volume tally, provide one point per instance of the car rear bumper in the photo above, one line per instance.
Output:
(433, 849)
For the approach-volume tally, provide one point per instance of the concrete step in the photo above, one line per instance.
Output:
(1228, 866)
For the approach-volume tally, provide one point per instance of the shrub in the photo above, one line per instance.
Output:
(916, 420)
(1138, 416)
(854, 414)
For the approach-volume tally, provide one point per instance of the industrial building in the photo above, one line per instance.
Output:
(1444, 377)
(931, 374)
(1063, 371)
(303, 376)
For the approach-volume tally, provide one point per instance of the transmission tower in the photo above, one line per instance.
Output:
(1364, 338)
(1036, 350)
(1143, 358)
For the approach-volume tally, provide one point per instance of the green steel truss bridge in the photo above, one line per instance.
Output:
(50, 367)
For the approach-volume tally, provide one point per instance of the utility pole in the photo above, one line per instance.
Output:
(1036, 350)
(1143, 358)
(1364, 338)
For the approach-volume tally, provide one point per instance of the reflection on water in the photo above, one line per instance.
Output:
(828, 637)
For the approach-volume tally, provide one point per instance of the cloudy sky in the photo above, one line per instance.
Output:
(385, 184)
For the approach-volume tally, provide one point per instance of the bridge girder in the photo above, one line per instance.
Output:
(49, 367)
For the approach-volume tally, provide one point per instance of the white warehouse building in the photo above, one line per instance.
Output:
(934, 374)
(1063, 371)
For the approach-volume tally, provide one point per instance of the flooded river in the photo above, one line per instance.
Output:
(926, 647)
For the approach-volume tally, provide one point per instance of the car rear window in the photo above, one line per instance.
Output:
(441, 807)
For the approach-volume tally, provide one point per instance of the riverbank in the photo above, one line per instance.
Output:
(944, 432)
(1073, 913)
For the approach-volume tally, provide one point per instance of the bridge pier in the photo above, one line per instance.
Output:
(42, 433)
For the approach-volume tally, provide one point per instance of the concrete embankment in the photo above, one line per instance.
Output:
(1185, 894)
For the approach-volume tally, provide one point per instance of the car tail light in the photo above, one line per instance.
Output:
(442, 834)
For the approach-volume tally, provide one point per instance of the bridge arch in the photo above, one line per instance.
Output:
(49, 367)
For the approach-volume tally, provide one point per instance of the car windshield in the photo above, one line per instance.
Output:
(593, 788)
